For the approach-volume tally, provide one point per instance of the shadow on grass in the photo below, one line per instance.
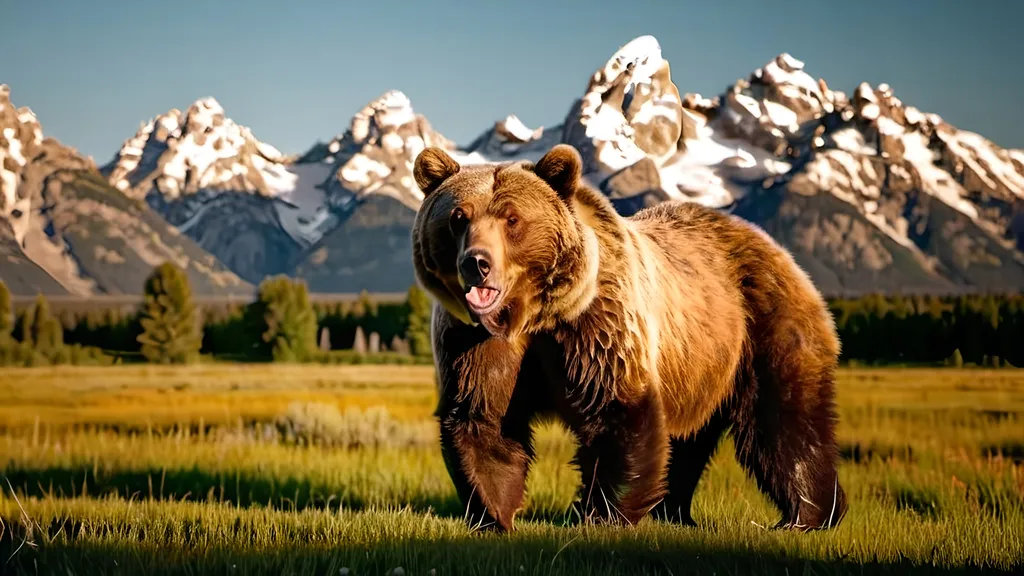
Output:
(858, 453)
(1010, 450)
(923, 502)
(193, 485)
(458, 554)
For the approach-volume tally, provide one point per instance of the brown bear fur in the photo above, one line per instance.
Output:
(487, 388)
(649, 336)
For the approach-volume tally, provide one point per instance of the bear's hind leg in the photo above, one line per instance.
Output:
(784, 430)
(622, 458)
(688, 459)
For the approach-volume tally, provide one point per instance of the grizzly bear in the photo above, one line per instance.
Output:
(649, 336)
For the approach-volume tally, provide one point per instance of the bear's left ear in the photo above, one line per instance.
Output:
(432, 167)
(561, 168)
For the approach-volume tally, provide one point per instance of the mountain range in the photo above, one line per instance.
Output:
(868, 193)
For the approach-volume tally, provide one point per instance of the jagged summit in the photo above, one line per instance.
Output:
(869, 193)
(376, 153)
(899, 197)
(19, 132)
(238, 197)
(508, 140)
(64, 230)
(181, 153)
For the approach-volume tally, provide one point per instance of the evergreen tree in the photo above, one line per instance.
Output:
(44, 332)
(418, 333)
(6, 314)
(367, 303)
(168, 318)
(285, 320)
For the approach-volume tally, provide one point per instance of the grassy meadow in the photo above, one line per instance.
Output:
(310, 469)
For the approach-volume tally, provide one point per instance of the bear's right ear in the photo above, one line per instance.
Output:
(432, 167)
(561, 168)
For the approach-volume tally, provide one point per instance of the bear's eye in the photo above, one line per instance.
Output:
(512, 220)
(457, 221)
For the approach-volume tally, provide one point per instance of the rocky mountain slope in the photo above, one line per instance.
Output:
(237, 197)
(64, 230)
(373, 198)
(868, 193)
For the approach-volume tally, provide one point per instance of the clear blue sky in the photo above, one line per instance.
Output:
(297, 71)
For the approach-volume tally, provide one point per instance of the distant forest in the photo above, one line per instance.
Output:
(286, 323)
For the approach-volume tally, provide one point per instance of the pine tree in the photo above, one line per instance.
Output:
(418, 332)
(6, 314)
(367, 303)
(285, 320)
(168, 318)
(44, 332)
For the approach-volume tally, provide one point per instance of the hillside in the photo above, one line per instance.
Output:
(235, 196)
(64, 230)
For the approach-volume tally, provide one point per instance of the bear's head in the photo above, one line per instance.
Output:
(494, 243)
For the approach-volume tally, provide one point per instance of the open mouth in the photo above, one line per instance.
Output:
(483, 300)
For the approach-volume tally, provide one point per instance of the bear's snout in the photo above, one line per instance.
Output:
(475, 266)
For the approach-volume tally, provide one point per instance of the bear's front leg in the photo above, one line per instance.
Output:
(488, 467)
(622, 457)
(484, 412)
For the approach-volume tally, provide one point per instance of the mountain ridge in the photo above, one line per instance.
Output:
(64, 230)
(870, 194)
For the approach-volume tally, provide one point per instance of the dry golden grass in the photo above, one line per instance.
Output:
(216, 394)
(933, 462)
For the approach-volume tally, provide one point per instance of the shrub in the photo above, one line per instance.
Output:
(419, 322)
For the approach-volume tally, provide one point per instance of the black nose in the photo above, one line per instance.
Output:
(475, 266)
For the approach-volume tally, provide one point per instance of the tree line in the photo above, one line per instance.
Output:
(283, 324)
(984, 330)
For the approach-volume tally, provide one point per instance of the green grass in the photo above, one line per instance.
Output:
(312, 469)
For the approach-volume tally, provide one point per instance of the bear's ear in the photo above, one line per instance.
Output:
(561, 168)
(432, 167)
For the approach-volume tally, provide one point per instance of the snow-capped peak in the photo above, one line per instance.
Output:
(510, 140)
(512, 130)
(640, 58)
(377, 152)
(201, 149)
(20, 132)
(632, 111)
(607, 111)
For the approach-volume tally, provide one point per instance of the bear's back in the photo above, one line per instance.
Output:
(730, 292)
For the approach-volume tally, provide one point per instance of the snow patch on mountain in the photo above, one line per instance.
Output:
(180, 153)
(303, 210)
(376, 154)
(20, 132)
(632, 111)
(509, 140)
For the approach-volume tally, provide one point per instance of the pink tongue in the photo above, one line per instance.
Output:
(480, 297)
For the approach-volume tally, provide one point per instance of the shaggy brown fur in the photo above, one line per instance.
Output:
(650, 336)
